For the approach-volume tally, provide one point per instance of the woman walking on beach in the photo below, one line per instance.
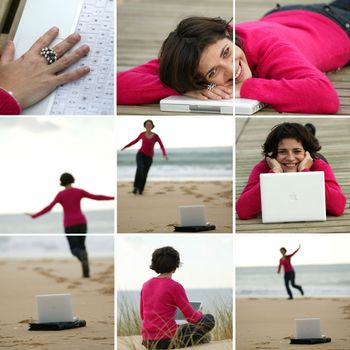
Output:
(281, 59)
(144, 156)
(196, 60)
(290, 147)
(289, 274)
(160, 297)
(73, 218)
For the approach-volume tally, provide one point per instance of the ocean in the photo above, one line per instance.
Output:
(99, 221)
(211, 298)
(316, 280)
(40, 247)
(214, 163)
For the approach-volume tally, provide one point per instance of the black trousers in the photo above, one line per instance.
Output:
(290, 277)
(78, 249)
(338, 11)
(187, 335)
(143, 165)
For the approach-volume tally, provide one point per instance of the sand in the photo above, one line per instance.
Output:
(93, 300)
(270, 323)
(134, 343)
(156, 210)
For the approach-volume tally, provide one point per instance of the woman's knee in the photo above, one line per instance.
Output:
(209, 321)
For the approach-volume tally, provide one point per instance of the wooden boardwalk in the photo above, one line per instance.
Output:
(249, 10)
(333, 134)
(143, 25)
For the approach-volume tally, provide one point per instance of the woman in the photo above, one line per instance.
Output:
(144, 156)
(27, 80)
(280, 59)
(160, 296)
(289, 274)
(290, 147)
(196, 60)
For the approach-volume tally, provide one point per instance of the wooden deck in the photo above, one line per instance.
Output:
(143, 25)
(333, 134)
(248, 10)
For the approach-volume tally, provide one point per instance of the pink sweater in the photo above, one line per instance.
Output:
(8, 105)
(147, 147)
(248, 205)
(287, 52)
(70, 199)
(286, 263)
(159, 299)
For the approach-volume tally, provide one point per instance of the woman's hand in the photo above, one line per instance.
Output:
(30, 78)
(274, 165)
(216, 93)
(306, 163)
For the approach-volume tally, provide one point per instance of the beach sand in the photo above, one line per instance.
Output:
(156, 210)
(270, 323)
(93, 301)
(134, 343)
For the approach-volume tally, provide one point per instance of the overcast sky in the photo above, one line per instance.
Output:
(34, 152)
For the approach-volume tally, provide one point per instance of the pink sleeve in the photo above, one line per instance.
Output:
(289, 83)
(138, 138)
(248, 205)
(97, 197)
(182, 302)
(141, 85)
(335, 198)
(141, 306)
(47, 209)
(161, 146)
(8, 104)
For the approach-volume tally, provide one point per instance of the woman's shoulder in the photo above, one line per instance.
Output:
(319, 164)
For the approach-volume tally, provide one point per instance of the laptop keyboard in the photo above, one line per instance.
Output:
(94, 93)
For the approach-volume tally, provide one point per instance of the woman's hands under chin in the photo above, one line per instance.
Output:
(219, 92)
(306, 163)
(274, 165)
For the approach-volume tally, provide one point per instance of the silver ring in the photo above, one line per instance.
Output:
(49, 54)
(211, 86)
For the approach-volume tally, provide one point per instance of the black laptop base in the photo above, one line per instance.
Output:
(207, 227)
(311, 340)
(56, 326)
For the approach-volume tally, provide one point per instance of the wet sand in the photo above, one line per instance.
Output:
(156, 210)
(93, 301)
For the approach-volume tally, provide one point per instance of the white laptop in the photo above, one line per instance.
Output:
(289, 197)
(245, 106)
(189, 104)
(179, 316)
(308, 328)
(192, 215)
(93, 19)
(54, 308)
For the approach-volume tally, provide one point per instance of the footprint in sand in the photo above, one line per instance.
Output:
(49, 274)
(160, 193)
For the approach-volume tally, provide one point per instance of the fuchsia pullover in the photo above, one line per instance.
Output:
(287, 52)
(147, 147)
(248, 205)
(286, 263)
(70, 199)
(8, 105)
(159, 299)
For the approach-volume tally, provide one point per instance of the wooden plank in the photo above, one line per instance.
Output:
(332, 133)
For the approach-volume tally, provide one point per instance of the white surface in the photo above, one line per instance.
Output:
(54, 308)
(245, 106)
(289, 197)
(307, 328)
(192, 215)
(188, 104)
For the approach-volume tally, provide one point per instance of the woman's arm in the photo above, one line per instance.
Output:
(141, 85)
(138, 138)
(96, 197)
(46, 209)
(294, 251)
(162, 147)
(248, 205)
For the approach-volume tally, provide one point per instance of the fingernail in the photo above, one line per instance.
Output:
(55, 29)
(76, 36)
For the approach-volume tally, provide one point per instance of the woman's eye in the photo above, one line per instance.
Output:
(227, 52)
(212, 74)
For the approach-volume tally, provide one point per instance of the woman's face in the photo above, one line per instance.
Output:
(216, 63)
(242, 70)
(148, 126)
(290, 153)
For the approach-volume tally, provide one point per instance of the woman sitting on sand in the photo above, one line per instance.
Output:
(144, 156)
(160, 297)
(290, 147)
(196, 59)
(280, 59)
(289, 273)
